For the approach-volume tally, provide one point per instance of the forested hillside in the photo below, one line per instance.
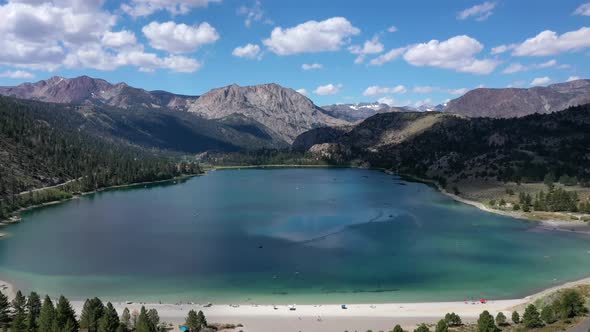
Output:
(438, 145)
(42, 145)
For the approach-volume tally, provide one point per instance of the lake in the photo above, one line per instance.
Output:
(284, 236)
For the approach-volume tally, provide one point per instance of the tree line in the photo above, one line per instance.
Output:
(40, 145)
(30, 314)
(569, 304)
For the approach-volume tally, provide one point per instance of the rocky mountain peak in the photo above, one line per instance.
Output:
(93, 91)
(281, 109)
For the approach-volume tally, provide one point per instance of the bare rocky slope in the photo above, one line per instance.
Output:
(283, 110)
(94, 91)
(512, 102)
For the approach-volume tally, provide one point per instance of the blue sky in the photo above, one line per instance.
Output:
(406, 52)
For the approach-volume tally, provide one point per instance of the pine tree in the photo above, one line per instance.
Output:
(452, 319)
(548, 315)
(109, 322)
(153, 317)
(91, 314)
(570, 304)
(192, 322)
(4, 311)
(65, 316)
(442, 326)
(143, 322)
(47, 316)
(201, 319)
(33, 311)
(422, 328)
(126, 318)
(531, 318)
(485, 323)
(500, 319)
(398, 328)
(515, 317)
(19, 318)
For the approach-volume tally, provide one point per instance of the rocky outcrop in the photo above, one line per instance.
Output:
(283, 110)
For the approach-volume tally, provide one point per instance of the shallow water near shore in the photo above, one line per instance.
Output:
(284, 236)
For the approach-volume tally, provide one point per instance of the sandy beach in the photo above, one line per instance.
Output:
(331, 317)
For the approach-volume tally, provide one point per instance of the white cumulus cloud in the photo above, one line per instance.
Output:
(16, 74)
(573, 78)
(584, 9)
(479, 12)
(119, 39)
(431, 89)
(502, 49)
(328, 89)
(517, 67)
(302, 91)
(550, 43)
(311, 66)
(372, 46)
(147, 7)
(253, 13)
(457, 53)
(387, 57)
(392, 29)
(381, 90)
(311, 36)
(51, 34)
(540, 81)
(248, 51)
(179, 38)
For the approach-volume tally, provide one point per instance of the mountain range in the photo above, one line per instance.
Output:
(280, 112)
(236, 118)
(453, 147)
(512, 102)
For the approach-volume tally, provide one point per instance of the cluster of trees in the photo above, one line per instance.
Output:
(29, 314)
(557, 199)
(42, 147)
(568, 305)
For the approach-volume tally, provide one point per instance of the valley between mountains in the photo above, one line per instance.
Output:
(506, 148)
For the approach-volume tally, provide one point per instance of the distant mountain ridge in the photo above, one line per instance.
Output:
(513, 102)
(95, 91)
(277, 115)
(359, 111)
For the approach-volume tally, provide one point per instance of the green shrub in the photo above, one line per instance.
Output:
(531, 317)
(515, 317)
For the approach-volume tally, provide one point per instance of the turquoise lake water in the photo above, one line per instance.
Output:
(284, 236)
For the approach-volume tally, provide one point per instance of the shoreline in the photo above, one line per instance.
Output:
(8, 222)
(330, 317)
(553, 224)
(558, 225)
